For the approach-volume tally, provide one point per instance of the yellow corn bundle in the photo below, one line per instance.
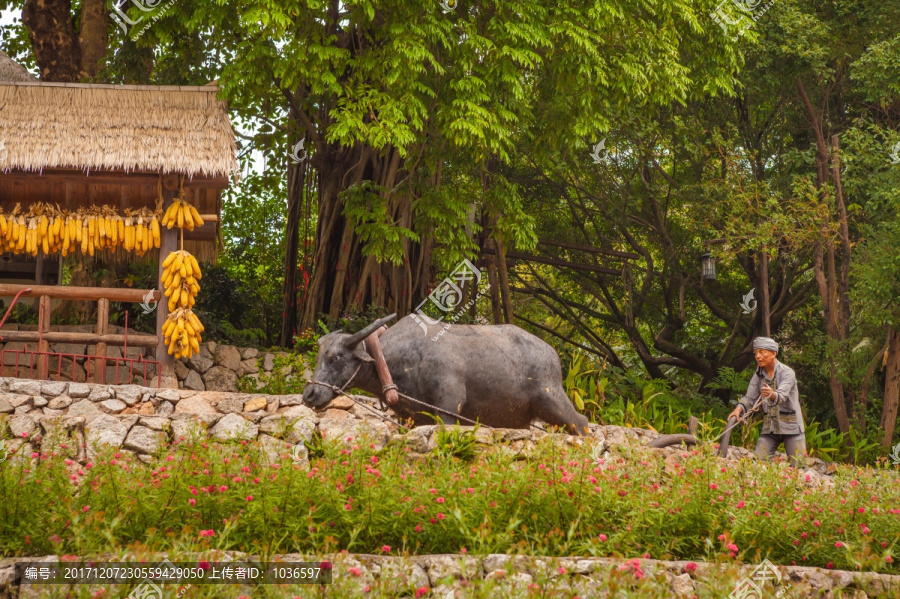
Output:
(181, 332)
(180, 275)
(48, 229)
(182, 215)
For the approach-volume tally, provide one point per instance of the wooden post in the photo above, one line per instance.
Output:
(168, 243)
(43, 327)
(102, 326)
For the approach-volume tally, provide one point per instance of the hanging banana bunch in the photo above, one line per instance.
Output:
(182, 214)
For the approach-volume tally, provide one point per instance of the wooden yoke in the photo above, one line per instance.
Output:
(388, 388)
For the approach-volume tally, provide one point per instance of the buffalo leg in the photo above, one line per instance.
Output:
(556, 409)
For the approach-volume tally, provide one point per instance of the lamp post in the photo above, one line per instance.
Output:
(708, 270)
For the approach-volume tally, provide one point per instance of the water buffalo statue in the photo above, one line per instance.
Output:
(501, 376)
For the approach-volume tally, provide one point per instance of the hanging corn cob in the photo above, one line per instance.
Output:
(181, 332)
(182, 328)
(48, 229)
(182, 215)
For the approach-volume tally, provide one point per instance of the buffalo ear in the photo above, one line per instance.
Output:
(353, 340)
(362, 354)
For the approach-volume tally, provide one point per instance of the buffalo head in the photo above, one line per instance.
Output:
(340, 355)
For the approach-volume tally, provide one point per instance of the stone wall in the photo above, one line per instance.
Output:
(42, 415)
(444, 575)
(215, 368)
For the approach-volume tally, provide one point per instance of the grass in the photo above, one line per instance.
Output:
(356, 499)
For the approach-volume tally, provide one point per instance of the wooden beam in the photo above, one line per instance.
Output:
(589, 248)
(556, 262)
(113, 294)
(137, 340)
(44, 313)
(168, 244)
(102, 324)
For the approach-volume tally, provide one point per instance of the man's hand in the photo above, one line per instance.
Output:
(736, 413)
(767, 391)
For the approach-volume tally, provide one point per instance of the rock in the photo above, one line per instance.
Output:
(146, 409)
(99, 393)
(18, 400)
(231, 404)
(268, 362)
(194, 381)
(165, 409)
(228, 356)
(234, 427)
(144, 440)
(249, 352)
(58, 403)
(682, 586)
(355, 430)
(112, 406)
(274, 449)
(85, 408)
(211, 347)
(257, 403)
(25, 387)
(295, 412)
(336, 414)
(49, 389)
(247, 367)
(78, 390)
(219, 378)
(67, 371)
(130, 394)
(291, 400)
(24, 424)
(104, 430)
(154, 423)
(291, 429)
(171, 395)
(200, 362)
(188, 428)
(442, 567)
(51, 412)
(199, 407)
(5, 406)
(38, 401)
(342, 403)
(181, 371)
(273, 406)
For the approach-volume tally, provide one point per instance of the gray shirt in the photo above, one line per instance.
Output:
(782, 415)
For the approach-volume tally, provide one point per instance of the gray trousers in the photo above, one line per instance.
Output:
(794, 447)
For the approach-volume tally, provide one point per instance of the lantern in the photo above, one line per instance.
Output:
(708, 267)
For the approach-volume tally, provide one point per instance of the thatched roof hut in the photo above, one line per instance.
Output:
(125, 128)
(81, 145)
(10, 70)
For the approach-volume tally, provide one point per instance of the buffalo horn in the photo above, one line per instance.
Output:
(353, 340)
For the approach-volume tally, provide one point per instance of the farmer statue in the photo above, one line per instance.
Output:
(775, 388)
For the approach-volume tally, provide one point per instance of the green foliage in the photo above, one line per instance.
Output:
(559, 503)
(285, 378)
(456, 442)
(230, 309)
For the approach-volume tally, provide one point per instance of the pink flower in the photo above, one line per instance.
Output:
(421, 591)
(838, 544)
(249, 497)
(690, 566)
(888, 559)
(440, 516)
(192, 501)
(418, 528)
(817, 523)
(603, 537)
(432, 491)
(440, 500)
(222, 489)
(385, 548)
(207, 533)
(713, 486)
(355, 571)
(24, 435)
(85, 508)
(561, 570)
(463, 550)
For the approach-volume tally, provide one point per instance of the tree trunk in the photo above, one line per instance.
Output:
(51, 29)
(342, 276)
(296, 175)
(891, 387)
(92, 37)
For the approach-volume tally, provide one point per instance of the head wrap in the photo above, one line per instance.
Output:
(765, 343)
